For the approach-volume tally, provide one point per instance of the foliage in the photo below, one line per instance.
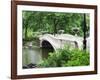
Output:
(78, 58)
(66, 57)
(52, 22)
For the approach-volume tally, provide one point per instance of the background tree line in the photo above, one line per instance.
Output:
(51, 22)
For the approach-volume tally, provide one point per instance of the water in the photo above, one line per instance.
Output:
(32, 56)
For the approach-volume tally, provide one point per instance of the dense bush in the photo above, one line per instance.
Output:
(78, 58)
(66, 57)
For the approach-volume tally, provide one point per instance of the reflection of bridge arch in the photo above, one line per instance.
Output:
(59, 41)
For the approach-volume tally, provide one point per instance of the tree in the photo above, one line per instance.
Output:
(52, 22)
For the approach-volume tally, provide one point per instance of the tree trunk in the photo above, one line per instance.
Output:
(26, 33)
(55, 26)
(84, 31)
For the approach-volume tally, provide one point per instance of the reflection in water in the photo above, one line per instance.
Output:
(32, 56)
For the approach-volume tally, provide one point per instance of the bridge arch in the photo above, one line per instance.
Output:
(59, 41)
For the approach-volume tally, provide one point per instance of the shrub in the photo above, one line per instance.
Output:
(78, 58)
(66, 57)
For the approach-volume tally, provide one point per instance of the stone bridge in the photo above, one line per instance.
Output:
(60, 40)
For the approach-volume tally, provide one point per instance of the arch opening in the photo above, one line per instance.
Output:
(47, 45)
(46, 48)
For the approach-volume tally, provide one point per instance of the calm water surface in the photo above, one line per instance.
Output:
(34, 55)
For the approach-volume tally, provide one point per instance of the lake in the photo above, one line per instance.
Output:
(32, 56)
